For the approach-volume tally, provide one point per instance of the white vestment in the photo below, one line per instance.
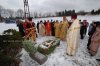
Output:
(40, 30)
(73, 37)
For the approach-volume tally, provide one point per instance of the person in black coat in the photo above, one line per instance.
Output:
(91, 32)
(52, 29)
(45, 22)
(86, 25)
(38, 27)
(20, 27)
(82, 30)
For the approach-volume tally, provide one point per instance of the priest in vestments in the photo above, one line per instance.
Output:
(42, 29)
(48, 28)
(57, 29)
(64, 28)
(73, 38)
(30, 30)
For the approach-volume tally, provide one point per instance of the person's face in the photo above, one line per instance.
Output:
(97, 28)
(26, 20)
(18, 21)
(47, 20)
(73, 20)
(94, 25)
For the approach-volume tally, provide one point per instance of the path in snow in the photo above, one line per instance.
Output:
(59, 57)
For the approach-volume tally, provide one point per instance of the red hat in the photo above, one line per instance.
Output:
(84, 20)
(74, 16)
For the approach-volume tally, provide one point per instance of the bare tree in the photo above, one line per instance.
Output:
(48, 14)
(20, 13)
(31, 14)
(10, 12)
(35, 14)
(40, 14)
(1, 8)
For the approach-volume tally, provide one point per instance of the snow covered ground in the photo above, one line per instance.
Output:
(4, 26)
(59, 57)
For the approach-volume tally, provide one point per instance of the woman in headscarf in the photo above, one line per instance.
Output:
(95, 41)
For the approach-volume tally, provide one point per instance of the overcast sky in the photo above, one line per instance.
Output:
(52, 5)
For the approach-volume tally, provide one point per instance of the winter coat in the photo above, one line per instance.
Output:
(95, 42)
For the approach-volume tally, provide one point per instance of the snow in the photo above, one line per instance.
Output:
(59, 56)
(4, 26)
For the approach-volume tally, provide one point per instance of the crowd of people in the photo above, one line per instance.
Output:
(53, 28)
(59, 29)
